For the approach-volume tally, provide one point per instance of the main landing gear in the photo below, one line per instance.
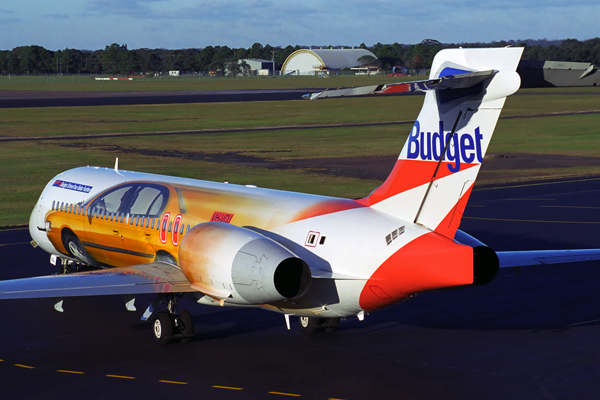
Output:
(313, 324)
(66, 266)
(173, 325)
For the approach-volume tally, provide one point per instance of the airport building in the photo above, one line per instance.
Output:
(259, 66)
(322, 61)
(557, 73)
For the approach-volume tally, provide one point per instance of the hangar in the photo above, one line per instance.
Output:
(321, 61)
(557, 73)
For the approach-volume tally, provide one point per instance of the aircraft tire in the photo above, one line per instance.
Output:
(187, 326)
(162, 328)
(309, 324)
(332, 324)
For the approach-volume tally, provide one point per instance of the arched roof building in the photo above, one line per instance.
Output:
(311, 61)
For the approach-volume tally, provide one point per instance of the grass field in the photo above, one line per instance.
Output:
(178, 117)
(200, 83)
(28, 166)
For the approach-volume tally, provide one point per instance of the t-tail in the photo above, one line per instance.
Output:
(435, 172)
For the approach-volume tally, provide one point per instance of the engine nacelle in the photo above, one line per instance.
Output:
(241, 266)
(485, 259)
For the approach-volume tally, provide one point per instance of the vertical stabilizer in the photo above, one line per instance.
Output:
(434, 175)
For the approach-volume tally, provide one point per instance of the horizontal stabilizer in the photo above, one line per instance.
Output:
(542, 257)
(149, 278)
(457, 81)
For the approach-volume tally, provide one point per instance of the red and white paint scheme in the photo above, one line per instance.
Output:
(315, 257)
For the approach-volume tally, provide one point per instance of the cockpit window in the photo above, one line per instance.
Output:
(143, 199)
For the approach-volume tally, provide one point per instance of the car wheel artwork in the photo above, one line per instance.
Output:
(164, 257)
(75, 249)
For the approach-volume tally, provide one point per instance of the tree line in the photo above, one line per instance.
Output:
(118, 59)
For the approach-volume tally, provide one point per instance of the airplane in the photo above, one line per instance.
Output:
(318, 258)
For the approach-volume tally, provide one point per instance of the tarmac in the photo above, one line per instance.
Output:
(530, 334)
(26, 98)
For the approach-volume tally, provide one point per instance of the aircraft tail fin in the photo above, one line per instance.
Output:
(435, 172)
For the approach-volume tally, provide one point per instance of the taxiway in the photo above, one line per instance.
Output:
(530, 334)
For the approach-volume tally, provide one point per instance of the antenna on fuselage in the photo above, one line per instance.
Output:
(117, 166)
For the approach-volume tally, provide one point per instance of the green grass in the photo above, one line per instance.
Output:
(86, 84)
(28, 166)
(178, 117)
(276, 145)
(574, 135)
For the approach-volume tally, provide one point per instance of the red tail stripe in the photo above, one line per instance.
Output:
(327, 207)
(409, 174)
(451, 222)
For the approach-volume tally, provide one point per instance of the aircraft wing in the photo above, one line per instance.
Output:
(147, 278)
(458, 81)
(542, 257)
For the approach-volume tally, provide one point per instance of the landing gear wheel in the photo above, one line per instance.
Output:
(331, 325)
(163, 328)
(185, 325)
(65, 267)
(309, 324)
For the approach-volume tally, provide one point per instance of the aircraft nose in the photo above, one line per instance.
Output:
(37, 228)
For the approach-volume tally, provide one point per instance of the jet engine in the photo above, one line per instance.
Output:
(240, 266)
(485, 259)
(485, 265)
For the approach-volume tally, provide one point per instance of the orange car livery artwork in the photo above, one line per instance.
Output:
(141, 222)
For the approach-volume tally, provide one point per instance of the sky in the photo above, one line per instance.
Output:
(179, 24)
